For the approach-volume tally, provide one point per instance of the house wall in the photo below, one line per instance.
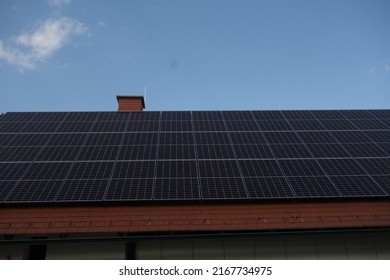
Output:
(299, 246)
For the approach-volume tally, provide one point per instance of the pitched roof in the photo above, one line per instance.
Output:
(55, 157)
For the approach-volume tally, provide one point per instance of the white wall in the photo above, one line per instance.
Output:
(337, 246)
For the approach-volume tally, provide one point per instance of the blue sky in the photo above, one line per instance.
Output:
(77, 55)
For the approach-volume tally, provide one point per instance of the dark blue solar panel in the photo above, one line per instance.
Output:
(341, 167)
(5, 188)
(274, 125)
(290, 151)
(176, 126)
(242, 126)
(301, 167)
(176, 116)
(93, 153)
(36, 191)
(215, 152)
(91, 170)
(12, 171)
(238, 115)
(19, 153)
(109, 126)
(321, 186)
(176, 189)
(357, 186)
(247, 138)
(209, 126)
(82, 190)
(142, 126)
(174, 138)
(306, 125)
(222, 188)
(6, 139)
(176, 169)
(260, 168)
(60, 153)
(282, 137)
(26, 140)
(316, 137)
(134, 169)
(130, 189)
(375, 166)
(181, 155)
(253, 151)
(268, 187)
(365, 150)
(328, 150)
(218, 168)
(130, 139)
(137, 152)
(176, 152)
(67, 139)
(47, 171)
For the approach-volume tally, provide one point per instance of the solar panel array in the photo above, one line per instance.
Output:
(198, 155)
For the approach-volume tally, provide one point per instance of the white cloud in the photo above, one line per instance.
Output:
(58, 3)
(102, 24)
(29, 48)
(383, 66)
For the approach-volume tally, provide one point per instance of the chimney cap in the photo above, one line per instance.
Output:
(118, 97)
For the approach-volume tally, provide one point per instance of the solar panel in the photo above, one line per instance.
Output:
(253, 152)
(268, 187)
(139, 152)
(130, 189)
(357, 186)
(199, 155)
(260, 168)
(215, 152)
(301, 167)
(313, 186)
(82, 190)
(36, 190)
(176, 152)
(176, 189)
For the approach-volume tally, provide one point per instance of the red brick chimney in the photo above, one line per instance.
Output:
(128, 103)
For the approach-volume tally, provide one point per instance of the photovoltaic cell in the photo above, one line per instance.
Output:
(268, 187)
(315, 186)
(60, 153)
(215, 152)
(290, 151)
(176, 169)
(357, 186)
(130, 189)
(222, 188)
(247, 138)
(137, 152)
(12, 171)
(218, 168)
(253, 151)
(301, 167)
(36, 191)
(5, 188)
(260, 168)
(176, 152)
(341, 167)
(242, 126)
(274, 125)
(182, 155)
(176, 189)
(82, 190)
(328, 150)
(134, 169)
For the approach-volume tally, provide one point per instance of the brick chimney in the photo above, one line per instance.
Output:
(128, 103)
